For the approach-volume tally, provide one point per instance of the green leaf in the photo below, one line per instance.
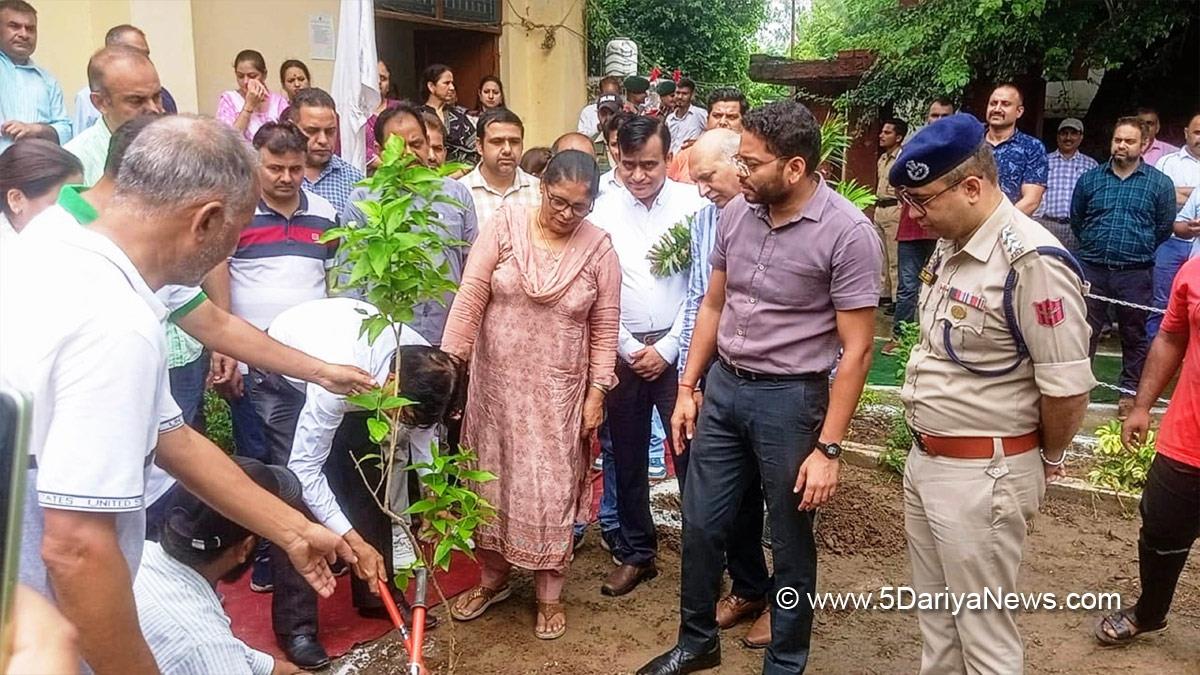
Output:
(478, 476)
(366, 400)
(377, 429)
(393, 402)
(423, 506)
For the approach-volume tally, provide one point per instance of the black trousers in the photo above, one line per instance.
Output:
(1136, 286)
(629, 407)
(294, 605)
(751, 432)
(1170, 524)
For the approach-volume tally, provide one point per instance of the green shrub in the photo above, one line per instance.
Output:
(910, 334)
(218, 422)
(898, 443)
(1117, 467)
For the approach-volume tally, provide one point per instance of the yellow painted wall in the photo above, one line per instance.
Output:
(69, 31)
(193, 43)
(545, 87)
(277, 28)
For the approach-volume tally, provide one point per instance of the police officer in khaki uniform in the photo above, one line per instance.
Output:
(994, 391)
(887, 209)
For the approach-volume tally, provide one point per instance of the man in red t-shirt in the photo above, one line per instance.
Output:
(914, 245)
(1171, 499)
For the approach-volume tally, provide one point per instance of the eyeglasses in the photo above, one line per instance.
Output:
(918, 206)
(558, 204)
(745, 169)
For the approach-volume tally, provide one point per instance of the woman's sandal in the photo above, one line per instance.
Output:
(490, 596)
(1124, 627)
(547, 611)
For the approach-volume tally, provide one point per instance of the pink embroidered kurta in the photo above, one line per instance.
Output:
(537, 333)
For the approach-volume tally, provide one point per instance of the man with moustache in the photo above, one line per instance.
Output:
(1021, 158)
(1121, 212)
(1002, 324)
(325, 174)
(726, 106)
(499, 178)
(795, 281)
(637, 215)
(1065, 165)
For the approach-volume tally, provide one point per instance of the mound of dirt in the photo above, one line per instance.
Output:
(859, 523)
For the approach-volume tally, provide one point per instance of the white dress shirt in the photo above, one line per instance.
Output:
(609, 182)
(648, 303)
(328, 329)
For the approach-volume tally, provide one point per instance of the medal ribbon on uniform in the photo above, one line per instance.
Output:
(966, 298)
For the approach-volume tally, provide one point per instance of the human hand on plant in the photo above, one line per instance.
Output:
(683, 420)
(369, 566)
(311, 549)
(1133, 430)
(593, 412)
(344, 379)
(647, 363)
(817, 480)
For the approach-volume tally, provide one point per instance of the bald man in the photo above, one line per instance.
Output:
(124, 85)
(125, 35)
(714, 172)
(574, 141)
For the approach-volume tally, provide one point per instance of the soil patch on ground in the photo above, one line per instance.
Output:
(1070, 549)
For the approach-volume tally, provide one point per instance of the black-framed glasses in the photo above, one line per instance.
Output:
(918, 206)
(558, 204)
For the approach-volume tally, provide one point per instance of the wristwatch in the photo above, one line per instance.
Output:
(830, 450)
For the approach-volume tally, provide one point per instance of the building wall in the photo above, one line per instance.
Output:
(277, 28)
(193, 43)
(546, 87)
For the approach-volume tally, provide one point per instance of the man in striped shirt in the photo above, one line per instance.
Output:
(178, 608)
(714, 172)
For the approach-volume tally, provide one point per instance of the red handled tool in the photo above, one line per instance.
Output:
(416, 640)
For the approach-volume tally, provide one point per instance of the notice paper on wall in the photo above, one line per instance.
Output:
(321, 43)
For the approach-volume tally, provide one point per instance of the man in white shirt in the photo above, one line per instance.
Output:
(318, 435)
(87, 343)
(636, 216)
(686, 121)
(498, 179)
(1183, 168)
(609, 180)
(589, 119)
(178, 608)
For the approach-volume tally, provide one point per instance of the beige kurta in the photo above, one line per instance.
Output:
(537, 333)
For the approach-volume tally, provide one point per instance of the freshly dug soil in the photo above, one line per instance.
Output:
(1071, 548)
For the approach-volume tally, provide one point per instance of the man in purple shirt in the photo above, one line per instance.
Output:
(1155, 148)
(795, 277)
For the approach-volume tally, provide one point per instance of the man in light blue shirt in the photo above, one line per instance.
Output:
(31, 102)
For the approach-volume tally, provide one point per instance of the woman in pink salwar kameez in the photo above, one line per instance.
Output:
(537, 315)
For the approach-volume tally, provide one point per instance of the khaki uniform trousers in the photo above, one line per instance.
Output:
(966, 521)
(887, 221)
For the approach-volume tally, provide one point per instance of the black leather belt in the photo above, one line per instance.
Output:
(886, 202)
(742, 373)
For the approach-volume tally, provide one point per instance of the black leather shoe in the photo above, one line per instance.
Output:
(679, 661)
(304, 651)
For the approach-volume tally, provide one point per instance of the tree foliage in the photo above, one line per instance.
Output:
(709, 41)
(936, 47)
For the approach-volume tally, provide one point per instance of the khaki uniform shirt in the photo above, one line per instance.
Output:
(966, 294)
(883, 188)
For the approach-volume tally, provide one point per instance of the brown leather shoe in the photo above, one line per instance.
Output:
(732, 610)
(759, 635)
(625, 578)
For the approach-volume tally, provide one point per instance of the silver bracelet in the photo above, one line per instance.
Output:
(1047, 462)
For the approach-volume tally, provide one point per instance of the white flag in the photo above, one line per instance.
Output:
(355, 77)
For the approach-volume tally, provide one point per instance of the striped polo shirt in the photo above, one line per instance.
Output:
(279, 261)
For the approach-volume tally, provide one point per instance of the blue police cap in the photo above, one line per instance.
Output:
(936, 150)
